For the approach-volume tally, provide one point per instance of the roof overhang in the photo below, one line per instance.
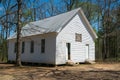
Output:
(87, 24)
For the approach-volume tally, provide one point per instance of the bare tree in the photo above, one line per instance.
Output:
(19, 13)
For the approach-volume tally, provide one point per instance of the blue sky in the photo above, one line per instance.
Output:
(56, 2)
(1, 8)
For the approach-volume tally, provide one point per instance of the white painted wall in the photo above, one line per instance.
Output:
(38, 57)
(56, 52)
(67, 35)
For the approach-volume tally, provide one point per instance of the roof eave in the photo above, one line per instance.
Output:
(94, 35)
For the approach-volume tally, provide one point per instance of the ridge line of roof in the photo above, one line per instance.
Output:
(56, 15)
(88, 24)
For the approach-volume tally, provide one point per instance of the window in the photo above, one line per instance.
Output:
(78, 37)
(42, 45)
(32, 47)
(15, 47)
(23, 46)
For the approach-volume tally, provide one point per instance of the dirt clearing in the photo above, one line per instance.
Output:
(78, 72)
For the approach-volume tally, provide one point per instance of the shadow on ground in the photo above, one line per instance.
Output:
(80, 72)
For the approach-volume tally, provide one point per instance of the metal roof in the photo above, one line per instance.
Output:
(51, 24)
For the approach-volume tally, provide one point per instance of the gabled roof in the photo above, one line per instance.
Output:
(52, 24)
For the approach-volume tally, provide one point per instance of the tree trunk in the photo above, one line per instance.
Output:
(18, 55)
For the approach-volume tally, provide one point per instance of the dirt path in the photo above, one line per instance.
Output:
(79, 72)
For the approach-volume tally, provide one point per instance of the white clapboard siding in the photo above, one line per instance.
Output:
(67, 35)
(37, 57)
(11, 54)
(57, 31)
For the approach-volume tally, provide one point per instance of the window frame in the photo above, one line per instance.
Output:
(32, 46)
(23, 47)
(42, 45)
(15, 47)
(78, 37)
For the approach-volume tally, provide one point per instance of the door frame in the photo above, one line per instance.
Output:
(68, 51)
(87, 51)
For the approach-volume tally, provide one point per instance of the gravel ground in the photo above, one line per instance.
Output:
(77, 72)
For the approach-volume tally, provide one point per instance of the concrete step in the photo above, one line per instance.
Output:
(89, 61)
(70, 63)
